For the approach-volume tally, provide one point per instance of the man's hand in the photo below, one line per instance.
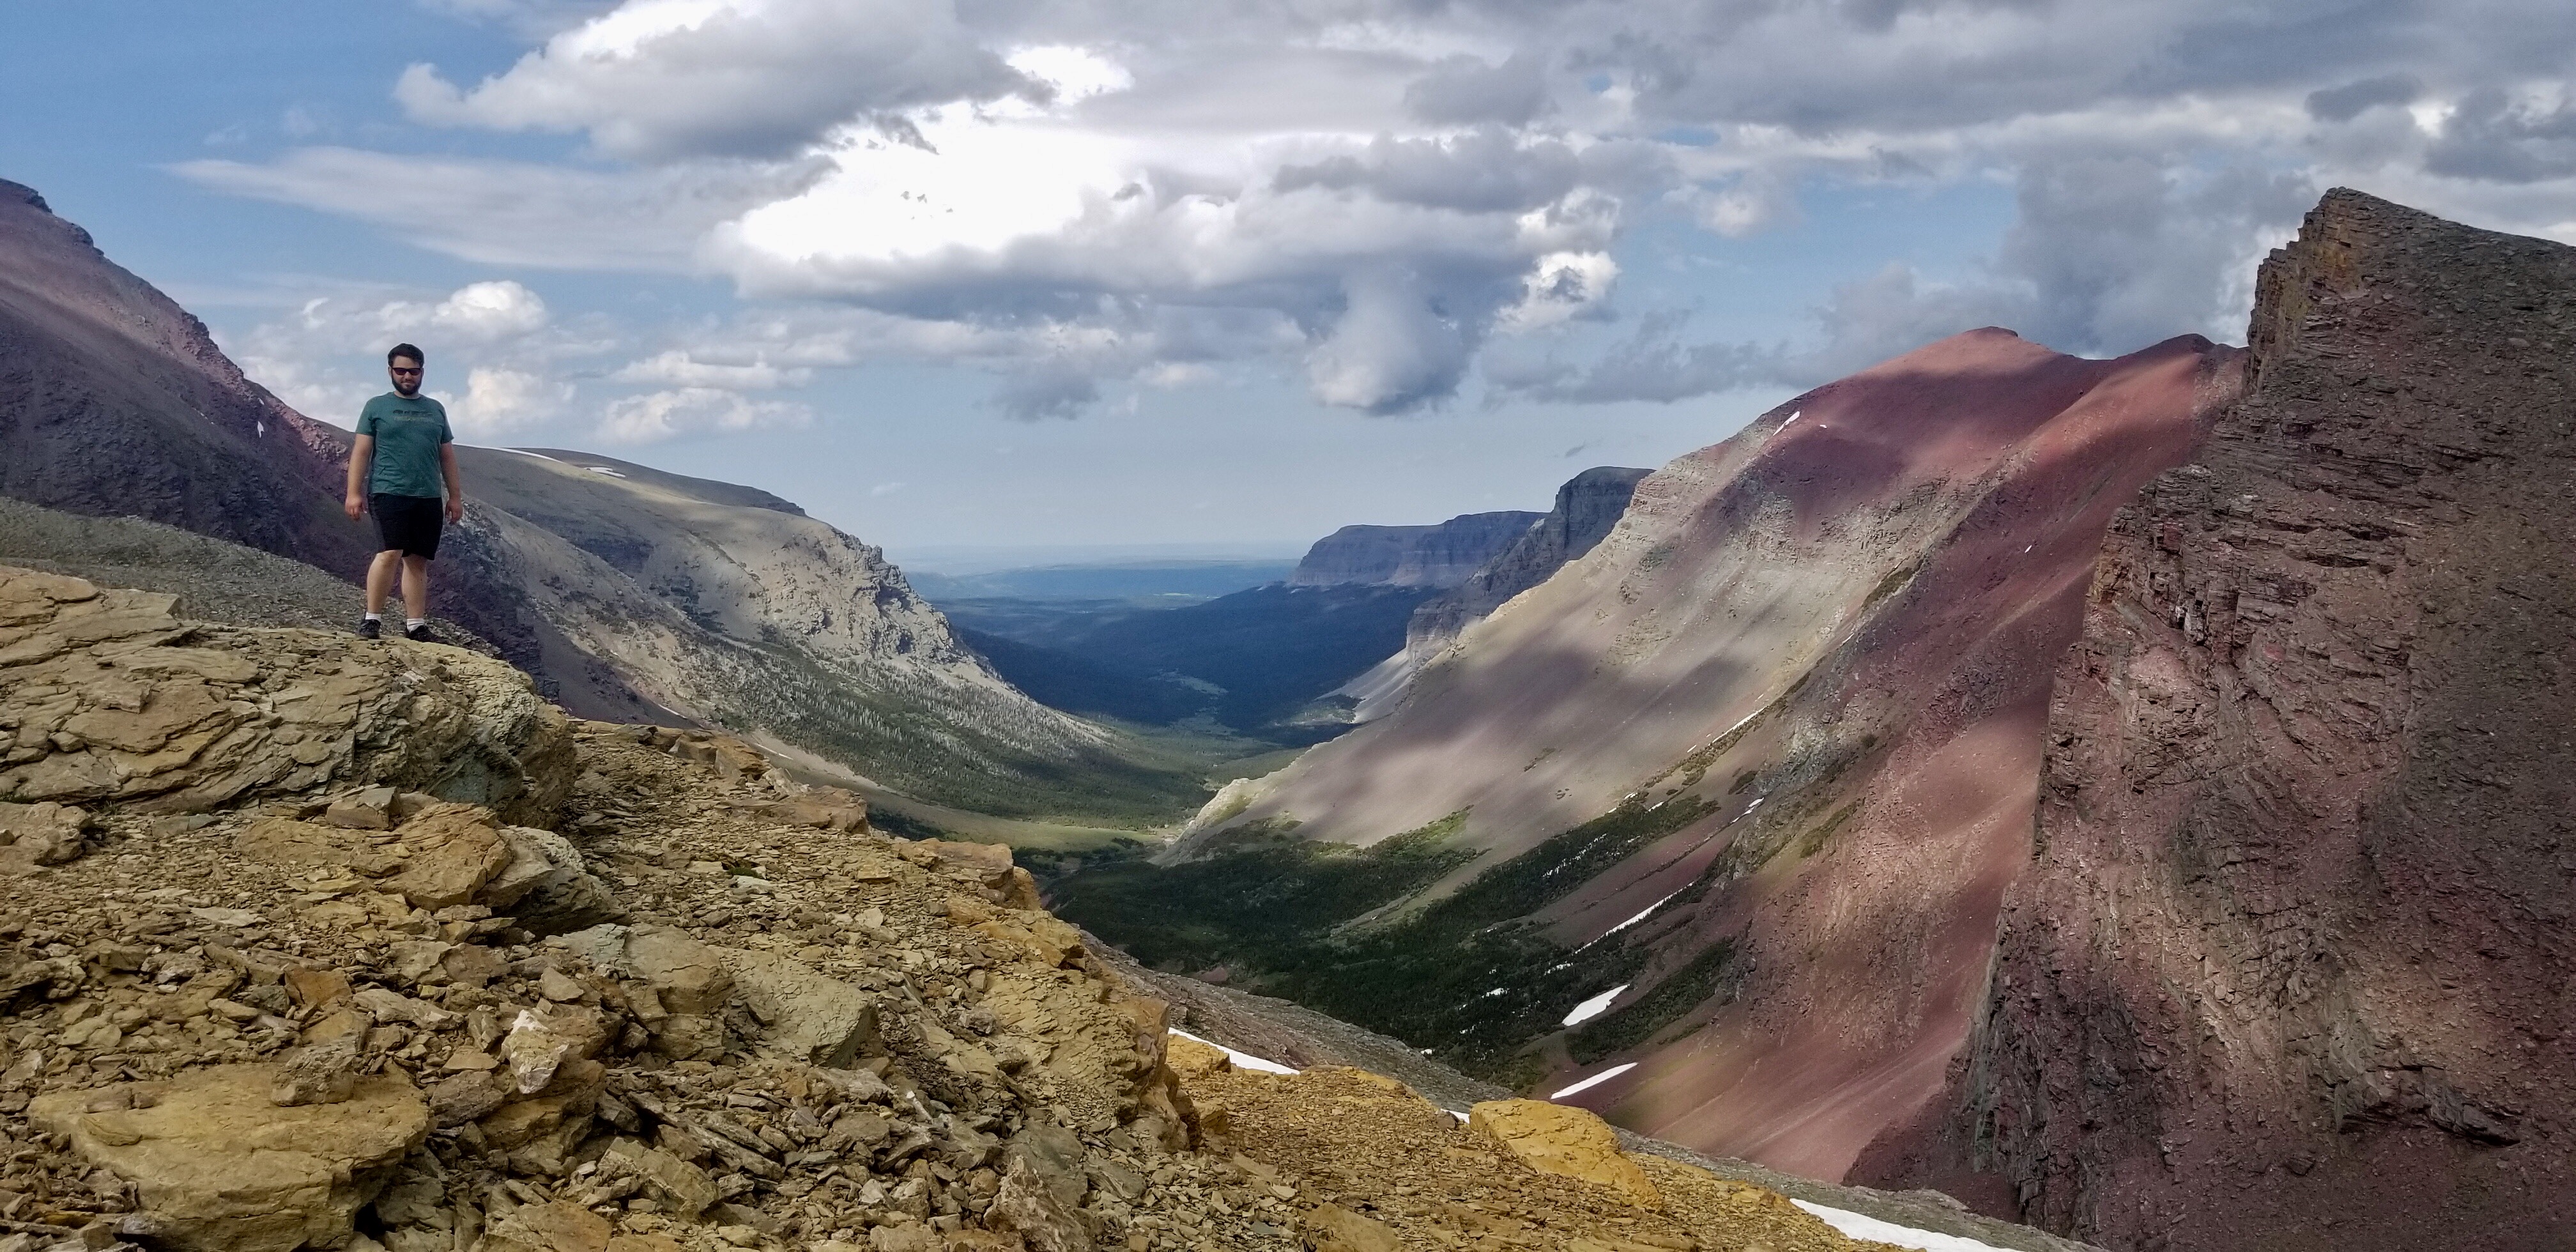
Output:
(455, 510)
(354, 506)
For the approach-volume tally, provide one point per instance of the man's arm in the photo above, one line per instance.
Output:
(361, 450)
(455, 484)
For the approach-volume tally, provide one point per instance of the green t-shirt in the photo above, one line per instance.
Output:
(408, 431)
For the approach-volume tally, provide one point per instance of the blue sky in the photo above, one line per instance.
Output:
(1226, 274)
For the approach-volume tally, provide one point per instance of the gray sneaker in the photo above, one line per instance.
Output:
(370, 628)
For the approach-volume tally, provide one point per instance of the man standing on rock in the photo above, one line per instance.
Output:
(402, 452)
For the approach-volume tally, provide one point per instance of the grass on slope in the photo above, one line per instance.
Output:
(1466, 976)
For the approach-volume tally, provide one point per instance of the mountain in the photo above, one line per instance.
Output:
(1587, 506)
(1441, 555)
(2291, 965)
(1738, 792)
(632, 594)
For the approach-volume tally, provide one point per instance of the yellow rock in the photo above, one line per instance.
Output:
(1193, 1060)
(1563, 1140)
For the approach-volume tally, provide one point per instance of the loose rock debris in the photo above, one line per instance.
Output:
(274, 981)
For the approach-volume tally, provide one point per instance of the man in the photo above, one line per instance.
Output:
(402, 452)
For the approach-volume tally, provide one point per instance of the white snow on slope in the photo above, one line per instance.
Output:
(1242, 1060)
(1594, 1081)
(1593, 1007)
(1863, 1226)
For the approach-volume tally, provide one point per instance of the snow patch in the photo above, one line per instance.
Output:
(1242, 1060)
(1792, 418)
(1863, 1226)
(534, 456)
(602, 469)
(1595, 1006)
(1594, 1081)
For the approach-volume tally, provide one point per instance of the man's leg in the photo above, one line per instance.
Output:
(415, 581)
(380, 580)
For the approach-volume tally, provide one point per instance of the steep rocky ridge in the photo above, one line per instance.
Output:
(687, 1005)
(1587, 506)
(633, 595)
(1760, 765)
(2292, 967)
(1441, 555)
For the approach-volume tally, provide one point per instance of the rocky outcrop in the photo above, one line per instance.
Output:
(218, 1166)
(1587, 506)
(2291, 967)
(1563, 1140)
(1441, 555)
(109, 698)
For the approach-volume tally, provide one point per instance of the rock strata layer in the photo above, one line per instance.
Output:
(2293, 966)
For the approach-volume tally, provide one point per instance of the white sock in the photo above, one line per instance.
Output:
(414, 623)
(375, 617)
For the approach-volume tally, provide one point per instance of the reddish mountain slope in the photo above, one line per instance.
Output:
(1818, 637)
(2293, 968)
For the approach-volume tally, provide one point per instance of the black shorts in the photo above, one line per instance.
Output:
(409, 524)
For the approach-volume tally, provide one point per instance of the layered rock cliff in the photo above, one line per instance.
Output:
(630, 594)
(1441, 555)
(2291, 966)
(1587, 506)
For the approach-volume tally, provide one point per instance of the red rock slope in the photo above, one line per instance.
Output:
(1830, 630)
(2293, 967)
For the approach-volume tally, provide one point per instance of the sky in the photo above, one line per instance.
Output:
(1223, 274)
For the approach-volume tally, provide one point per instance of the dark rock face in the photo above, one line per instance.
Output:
(1587, 506)
(1410, 556)
(2292, 967)
(114, 402)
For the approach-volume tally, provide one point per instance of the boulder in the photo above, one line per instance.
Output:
(45, 833)
(1563, 1140)
(324, 1072)
(544, 1039)
(455, 849)
(804, 1015)
(677, 1185)
(1029, 1207)
(546, 885)
(218, 1167)
(131, 716)
(560, 1226)
(1332, 1228)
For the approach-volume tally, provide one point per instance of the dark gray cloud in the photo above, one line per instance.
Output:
(2496, 138)
(1486, 170)
(1465, 91)
(2344, 103)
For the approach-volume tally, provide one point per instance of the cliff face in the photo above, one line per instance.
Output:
(1761, 764)
(1587, 506)
(1410, 556)
(2292, 966)
(630, 594)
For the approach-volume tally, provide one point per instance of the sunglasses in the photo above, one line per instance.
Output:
(400, 370)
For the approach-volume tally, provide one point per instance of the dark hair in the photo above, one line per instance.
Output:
(404, 349)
